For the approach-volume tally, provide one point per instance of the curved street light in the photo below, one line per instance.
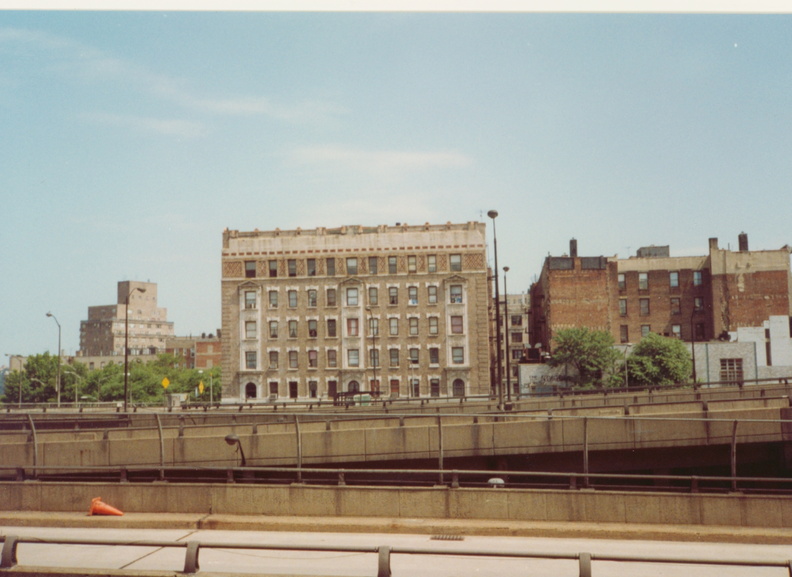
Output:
(57, 378)
(233, 439)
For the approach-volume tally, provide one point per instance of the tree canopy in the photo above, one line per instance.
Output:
(37, 381)
(589, 351)
(657, 360)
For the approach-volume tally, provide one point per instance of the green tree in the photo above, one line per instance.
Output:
(590, 352)
(657, 361)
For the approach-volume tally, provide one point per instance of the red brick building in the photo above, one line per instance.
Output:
(693, 298)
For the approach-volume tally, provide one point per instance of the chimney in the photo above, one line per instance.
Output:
(713, 244)
(743, 241)
(573, 248)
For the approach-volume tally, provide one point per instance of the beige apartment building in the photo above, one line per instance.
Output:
(104, 333)
(397, 311)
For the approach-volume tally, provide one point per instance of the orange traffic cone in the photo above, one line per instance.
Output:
(99, 508)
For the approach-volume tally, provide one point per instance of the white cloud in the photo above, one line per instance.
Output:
(85, 62)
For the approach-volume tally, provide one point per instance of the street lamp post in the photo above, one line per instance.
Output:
(506, 330)
(126, 346)
(57, 378)
(76, 387)
(693, 342)
(498, 375)
(374, 356)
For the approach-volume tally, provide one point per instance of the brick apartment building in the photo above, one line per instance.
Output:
(697, 298)
(396, 310)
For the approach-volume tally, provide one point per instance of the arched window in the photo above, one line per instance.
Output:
(353, 387)
(250, 391)
(459, 388)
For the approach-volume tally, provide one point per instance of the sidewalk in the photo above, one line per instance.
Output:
(493, 528)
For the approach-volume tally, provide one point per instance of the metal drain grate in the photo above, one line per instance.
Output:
(447, 538)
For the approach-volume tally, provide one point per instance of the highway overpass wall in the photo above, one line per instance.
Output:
(440, 502)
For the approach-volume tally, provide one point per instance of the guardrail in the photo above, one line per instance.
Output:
(585, 560)
(449, 478)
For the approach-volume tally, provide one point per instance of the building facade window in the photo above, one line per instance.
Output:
(352, 327)
(698, 278)
(373, 296)
(292, 266)
(731, 370)
(698, 304)
(412, 295)
(332, 358)
(250, 269)
(434, 325)
(312, 298)
(393, 295)
(330, 297)
(676, 307)
(673, 279)
(273, 268)
(313, 331)
(431, 292)
(273, 359)
(676, 331)
(624, 334)
(431, 263)
(273, 299)
(413, 326)
(250, 329)
(374, 357)
(311, 265)
(352, 265)
(373, 327)
(394, 357)
(412, 264)
(293, 360)
(643, 307)
(330, 266)
(645, 330)
(458, 355)
(455, 294)
(292, 299)
(413, 355)
(623, 307)
(250, 359)
(332, 330)
(273, 329)
(393, 326)
(434, 387)
(353, 357)
(250, 299)
(622, 282)
(457, 325)
(313, 359)
(643, 281)
(434, 356)
(372, 265)
(456, 262)
(292, 329)
(352, 296)
(392, 265)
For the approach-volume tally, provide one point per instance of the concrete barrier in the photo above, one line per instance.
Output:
(735, 510)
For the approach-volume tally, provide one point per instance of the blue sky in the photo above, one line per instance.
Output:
(132, 139)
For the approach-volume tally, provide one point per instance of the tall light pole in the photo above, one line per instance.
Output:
(493, 214)
(693, 342)
(506, 330)
(76, 387)
(126, 346)
(57, 378)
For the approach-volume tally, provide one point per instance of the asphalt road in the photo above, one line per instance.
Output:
(354, 564)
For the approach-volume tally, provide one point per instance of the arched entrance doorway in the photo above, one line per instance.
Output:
(250, 391)
(458, 388)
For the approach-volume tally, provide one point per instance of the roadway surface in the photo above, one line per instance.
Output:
(694, 544)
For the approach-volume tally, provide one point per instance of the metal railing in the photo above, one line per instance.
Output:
(9, 557)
